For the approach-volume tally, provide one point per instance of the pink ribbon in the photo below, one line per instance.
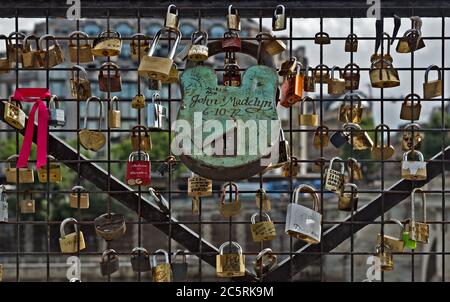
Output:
(36, 96)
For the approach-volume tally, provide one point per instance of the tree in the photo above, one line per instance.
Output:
(434, 140)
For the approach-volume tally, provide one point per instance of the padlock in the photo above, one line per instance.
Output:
(336, 86)
(73, 242)
(382, 150)
(418, 231)
(158, 68)
(231, 264)
(228, 209)
(167, 166)
(433, 88)
(54, 169)
(138, 101)
(180, 269)
(411, 41)
(56, 115)
(140, 139)
(395, 244)
(410, 110)
(154, 85)
(114, 119)
(351, 43)
(321, 74)
(351, 76)
(91, 139)
(349, 113)
(386, 258)
(339, 138)
(157, 114)
(1, 272)
(199, 186)
(109, 79)
(412, 137)
(110, 226)
(198, 51)
(52, 55)
(27, 205)
(264, 262)
(109, 263)
(284, 152)
(140, 260)
(231, 42)
(263, 200)
(233, 19)
(387, 51)
(292, 88)
(322, 38)
(161, 272)
(172, 21)
(279, 18)
(321, 137)
(5, 63)
(160, 201)
(79, 83)
(138, 170)
(31, 58)
(302, 222)
(81, 53)
(13, 114)
(139, 46)
(262, 230)
(318, 165)
(79, 198)
(383, 74)
(270, 44)
(107, 44)
(417, 25)
(232, 75)
(291, 168)
(308, 119)
(334, 179)
(26, 175)
(174, 75)
(354, 169)
(15, 47)
(359, 139)
(3, 204)
(348, 201)
(288, 67)
(414, 169)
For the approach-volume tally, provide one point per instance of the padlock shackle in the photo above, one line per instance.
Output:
(322, 130)
(433, 67)
(382, 126)
(156, 38)
(79, 69)
(385, 65)
(420, 155)
(3, 193)
(47, 37)
(279, 10)
(172, 9)
(79, 189)
(114, 102)
(26, 43)
(414, 126)
(78, 34)
(303, 188)
(303, 102)
(230, 185)
(340, 161)
(53, 102)
(352, 67)
(352, 37)
(411, 97)
(140, 154)
(267, 251)
(138, 38)
(138, 250)
(19, 35)
(110, 34)
(160, 201)
(182, 253)
(398, 223)
(417, 22)
(321, 68)
(332, 72)
(322, 34)
(108, 253)
(64, 223)
(109, 65)
(350, 126)
(156, 96)
(424, 205)
(135, 130)
(230, 10)
(232, 243)
(159, 251)
(94, 98)
(253, 218)
(353, 188)
(11, 159)
(385, 247)
(199, 36)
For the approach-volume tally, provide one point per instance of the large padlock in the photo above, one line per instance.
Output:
(172, 21)
(419, 231)
(31, 58)
(412, 137)
(232, 75)
(157, 114)
(279, 18)
(198, 51)
(109, 79)
(336, 86)
(359, 139)
(302, 222)
(321, 74)
(288, 67)
(382, 150)
(231, 42)
(114, 119)
(231, 264)
(138, 101)
(140, 260)
(80, 50)
(107, 44)
(262, 230)
(138, 170)
(79, 198)
(263, 200)
(354, 169)
(396, 244)
(3, 204)
(383, 74)
(56, 115)
(26, 175)
(27, 203)
(264, 262)
(321, 137)
(13, 114)
(109, 263)
(140, 139)
(54, 170)
(199, 186)
(110, 226)
(73, 242)
(291, 168)
(351, 76)
(351, 43)
(233, 19)
(308, 119)
(348, 201)
(158, 68)
(52, 55)
(292, 88)
(334, 178)
(5, 63)
(80, 84)
(410, 110)
(139, 46)
(433, 88)
(161, 272)
(15, 47)
(92, 140)
(386, 258)
(180, 269)
(270, 44)
(350, 113)
(322, 38)
(414, 169)
(228, 209)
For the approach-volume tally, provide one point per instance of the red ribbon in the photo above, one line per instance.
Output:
(36, 96)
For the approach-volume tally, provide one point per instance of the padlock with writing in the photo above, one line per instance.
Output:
(27, 203)
(52, 55)
(180, 268)
(270, 44)
(140, 139)
(138, 101)
(334, 178)
(351, 76)
(412, 137)
(73, 242)
(262, 230)
(140, 260)
(13, 114)
(233, 19)
(138, 169)
(3, 204)
(199, 186)
(5, 63)
(322, 38)
(109, 79)
(107, 44)
(291, 168)
(359, 138)
(386, 258)
(264, 262)
(354, 169)
(80, 50)
(410, 110)
(415, 169)
(114, 120)
(109, 263)
(54, 170)
(26, 175)
(336, 86)
(56, 115)
(232, 75)
(231, 42)
(349, 112)
(382, 150)
(110, 226)
(31, 58)
(419, 231)
(198, 51)
(157, 114)
(433, 88)
(351, 43)
(263, 200)
(308, 119)
(396, 244)
(92, 140)
(15, 47)
(161, 272)
(233, 207)
(80, 84)
(79, 198)
(383, 74)
(348, 201)
(139, 46)
(231, 264)
(279, 18)
(167, 166)
(321, 137)
(321, 74)
(292, 88)
(172, 21)
(288, 67)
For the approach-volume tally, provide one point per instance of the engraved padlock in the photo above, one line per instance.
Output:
(321, 137)
(322, 38)
(140, 139)
(349, 112)
(382, 150)
(198, 51)
(107, 44)
(263, 200)
(79, 198)
(31, 58)
(233, 207)
(415, 169)
(334, 178)
(231, 42)
(54, 174)
(80, 84)
(279, 18)
(383, 74)
(291, 168)
(13, 114)
(199, 186)
(396, 244)
(232, 75)
(15, 47)
(109, 263)
(114, 119)
(386, 258)
(73, 242)
(419, 231)
(433, 88)
(321, 74)
(263, 230)
(27, 203)
(80, 51)
(292, 88)
(231, 264)
(172, 21)
(351, 43)
(21, 175)
(138, 169)
(56, 115)
(109, 79)
(359, 138)
(411, 107)
(354, 169)
(270, 43)
(138, 101)
(92, 140)
(412, 137)
(52, 55)
(110, 226)
(161, 272)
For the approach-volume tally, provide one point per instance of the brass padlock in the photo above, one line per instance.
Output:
(15, 47)
(395, 244)
(5, 63)
(233, 19)
(348, 201)
(321, 137)
(354, 169)
(198, 51)
(411, 41)
(414, 169)
(161, 272)
(107, 44)
(279, 18)
(139, 46)
(292, 88)
(80, 52)
(387, 51)
(291, 168)
(264, 262)
(158, 68)
(433, 88)
(54, 169)
(309, 83)
(351, 43)
(349, 113)
(383, 74)
(308, 119)
(231, 264)
(228, 209)
(359, 139)
(231, 42)
(73, 242)
(412, 137)
(386, 258)
(172, 21)
(92, 140)
(79, 83)
(321, 74)
(263, 200)
(418, 231)
(52, 55)
(138, 101)
(109, 79)
(270, 43)
(336, 86)
(262, 230)
(199, 186)
(410, 110)
(322, 38)
(334, 179)
(232, 75)
(351, 76)
(13, 114)
(26, 175)
(114, 120)
(110, 226)
(31, 58)
(288, 67)
(27, 205)
(382, 150)
(318, 165)
(140, 139)
(174, 75)
(79, 198)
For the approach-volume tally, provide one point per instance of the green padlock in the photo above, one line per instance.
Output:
(410, 244)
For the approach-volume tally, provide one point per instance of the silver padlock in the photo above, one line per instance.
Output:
(3, 205)
(180, 269)
(56, 115)
(302, 222)
(156, 113)
(334, 179)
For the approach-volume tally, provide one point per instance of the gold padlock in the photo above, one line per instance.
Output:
(382, 150)
(114, 120)
(270, 43)
(174, 75)
(308, 119)
(54, 169)
(351, 76)
(31, 58)
(231, 264)
(411, 41)
(418, 230)
(348, 201)
(433, 88)
(351, 43)
(396, 244)
(415, 169)
(199, 186)
(228, 209)
(107, 44)
(52, 55)
(383, 74)
(92, 140)
(410, 110)
(321, 137)
(279, 18)
(309, 83)
(138, 101)
(359, 139)
(15, 47)
(262, 230)
(322, 38)
(26, 175)
(79, 83)
(13, 114)
(412, 137)
(27, 205)
(140, 139)
(354, 169)
(233, 19)
(322, 74)
(350, 113)
(161, 272)
(139, 46)
(79, 198)
(263, 200)
(73, 242)
(198, 51)
(386, 258)
(5, 63)
(336, 86)
(291, 168)
(80, 51)
(172, 21)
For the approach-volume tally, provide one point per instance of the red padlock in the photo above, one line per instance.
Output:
(138, 169)
(231, 42)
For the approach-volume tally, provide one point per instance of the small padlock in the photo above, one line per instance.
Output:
(174, 75)
(114, 120)
(230, 58)
(262, 230)
(56, 115)
(172, 21)
(140, 139)
(348, 201)
(412, 137)
(13, 114)
(80, 53)
(3, 204)
(386, 258)
(418, 231)
(414, 169)
(270, 44)
(383, 74)
(199, 186)
(139, 46)
(15, 47)
(433, 88)
(109, 263)
(79, 198)
(387, 52)
(138, 101)
(351, 76)
(52, 55)
(279, 18)
(109, 79)
(232, 75)
(321, 74)
(160, 201)
(233, 19)
(79, 83)
(396, 245)
(308, 119)
(198, 51)
(92, 140)
(73, 242)
(27, 205)
(354, 169)
(167, 166)
(283, 151)
(292, 88)
(322, 38)
(138, 170)
(140, 260)
(157, 114)
(231, 264)
(339, 138)
(5, 63)
(228, 209)
(349, 113)
(411, 41)
(26, 175)
(154, 85)
(321, 137)
(382, 150)
(334, 179)
(351, 43)
(336, 86)
(107, 44)
(410, 110)
(31, 58)
(263, 200)
(264, 262)
(318, 165)
(231, 42)
(288, 67)
(110, 226)
(161, 272)
(359, 139)
(291, 168)
(180, 269)
(54, 169)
